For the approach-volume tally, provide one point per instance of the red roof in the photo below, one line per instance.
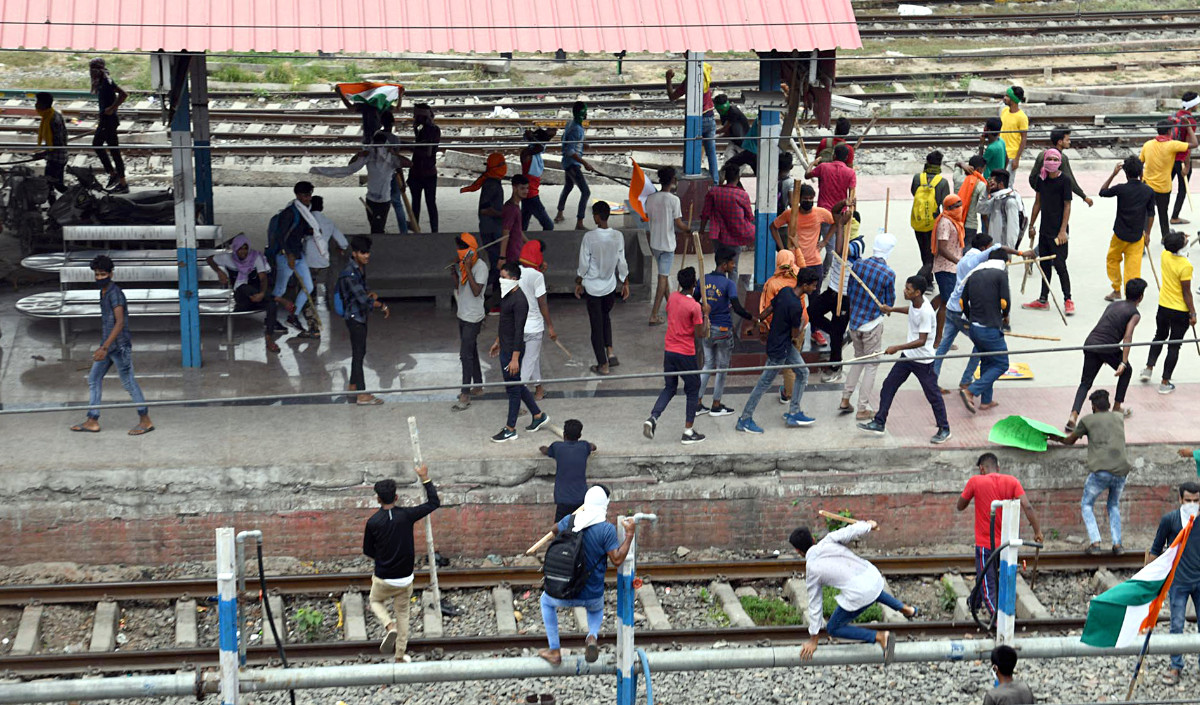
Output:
(482, 26)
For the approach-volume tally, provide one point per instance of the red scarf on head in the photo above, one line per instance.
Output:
(531, 254)
(957, 216)
(496, 169)
(467, 257)
(968, 188)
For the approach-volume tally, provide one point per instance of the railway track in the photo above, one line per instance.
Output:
(497, 585)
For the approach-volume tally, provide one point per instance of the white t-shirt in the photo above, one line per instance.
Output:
(662, 208)
(533, 284)
(470, 306)
(398, 582)
(920, 320)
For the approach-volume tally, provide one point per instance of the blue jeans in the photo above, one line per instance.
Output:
(954, 325)
(839, 622)
(1178, 598)
(1096, 483)
(574, 179)
(122, 357)
(283, 273)
(663, 259)
(717, 354)
(708, 135)
(989, 593)
(677, 362)
(398, 206)
(768, 378)
(550, 605)
(992, 366)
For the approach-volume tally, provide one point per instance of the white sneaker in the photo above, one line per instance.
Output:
(1147, 373)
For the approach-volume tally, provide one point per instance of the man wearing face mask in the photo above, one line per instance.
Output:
(1008, 690)
(1053, 203)
(1187, 573)
(510, 347)
(573, 165)
(422, 176)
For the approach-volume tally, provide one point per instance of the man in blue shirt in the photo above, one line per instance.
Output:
(573, 165)
(723, 301)
(357, 301)
(570, 473)
(600, 545)
(115, 349)
(1187, 573)
(865, 321)
(789, 318)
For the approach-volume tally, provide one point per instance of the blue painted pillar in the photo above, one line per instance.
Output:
(227, 615)
(767, 190)
(1006, 607)
(626, 656)
(185, 227)
(694, 94)
(201, 139)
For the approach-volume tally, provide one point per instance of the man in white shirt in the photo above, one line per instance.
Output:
(666, 218)
(537, 323)
(381, 160)
(470, 279)
(602, 267)
(830, 564)
(317, 251)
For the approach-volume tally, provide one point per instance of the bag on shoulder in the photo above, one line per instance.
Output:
(1022, 220)
(565, 569)
(279, 226)
(925, 205)
(339, 300)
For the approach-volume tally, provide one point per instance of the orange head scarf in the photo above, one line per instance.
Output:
(531, 254)
(785, 263)
(496, 169)
(467, 257)
(951, 213)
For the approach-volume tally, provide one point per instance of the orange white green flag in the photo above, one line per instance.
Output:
(380, 95)
(1119, 615)
(639, 189)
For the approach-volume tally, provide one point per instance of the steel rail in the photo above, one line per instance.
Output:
(459, 578)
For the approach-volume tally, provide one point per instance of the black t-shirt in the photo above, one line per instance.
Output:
(1110, 328)
(424, 159)
(1135, 206)
(514, 309)
(741, 125)
(986, 297)
(787, 313)
(570, 478)
(388, 537)
(1055, 194)
(106, 94)
(370, 120)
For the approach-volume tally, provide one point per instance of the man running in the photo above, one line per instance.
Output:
(1115, 326)
(686, 320)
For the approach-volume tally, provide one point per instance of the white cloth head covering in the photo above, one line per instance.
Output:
(1189, 104)
(594, 510)
(884, 244)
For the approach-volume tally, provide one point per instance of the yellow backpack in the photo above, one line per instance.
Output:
(925, 205)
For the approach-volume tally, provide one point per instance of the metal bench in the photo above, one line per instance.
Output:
(54, 261)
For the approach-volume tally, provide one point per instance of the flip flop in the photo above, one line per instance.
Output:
(843, 410)
(1126, 412)
(79, 428)
(140, 431)
(962, 394)
(374, 401)
(889, 648)
(656, 321)
(596, 369)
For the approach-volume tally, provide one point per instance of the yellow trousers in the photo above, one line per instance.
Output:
(1131, 252)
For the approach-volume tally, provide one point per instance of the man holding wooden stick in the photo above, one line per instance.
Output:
(388, 539)
(829, 563)
(1176, 309)
(871, 287)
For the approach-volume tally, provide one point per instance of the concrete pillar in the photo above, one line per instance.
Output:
(962, 611)
(431, 615)
(227, 572)
(185, 623)
(354, 620)
(769, 79)
(655, 616)
(185, 222)
(200, 138)
(104, 626)
(579, 614)
(694, 94)
(796, 593)
(1006, 607)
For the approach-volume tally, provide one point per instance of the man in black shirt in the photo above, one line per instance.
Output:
(510, 347)
(1131, 228)
(1187, 573)
(388, 539)
(985, 303)
(1053, 203)
(422, 176)
(734, 125)
(110, 97)
(1115, 326)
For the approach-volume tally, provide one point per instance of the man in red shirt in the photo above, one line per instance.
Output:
(1182, 169)
(836, 182)
(685, 322)
(512, 232)
(990, 485)
(728, 210)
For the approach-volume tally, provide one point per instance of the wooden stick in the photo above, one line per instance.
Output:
(846, 268)
(887, 203)
(845, 264)
(686, 245)
(794, 221)
(433, 576)
(546, 539)
(1029, 261)
(700, 258)
(864, 357)
(412, 219)
(1053, 298)
(564, 349)
(1153, 271)
(1010, 334)
(1028, 269)
(1198, 341)
(836, 517)
(874, 119)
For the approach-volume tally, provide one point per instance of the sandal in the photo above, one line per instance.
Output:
(1171, 677)
(461, 405)
(889, 647)
(656, 321)
(272, 347)
(140, 430)
(596, 370)
(962, 394)
(1069, 427)
(373, 401)
(613, 361)
(80, 428)
(843, 410)
(550, 658)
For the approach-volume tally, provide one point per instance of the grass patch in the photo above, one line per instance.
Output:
(874, 613)
(230, 73)
(24, 59)
(771, 612)
(947, 596)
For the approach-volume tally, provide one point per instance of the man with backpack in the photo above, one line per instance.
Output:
(1004, 210)
(1182, 169)
(574, 568)
(352, 300)
(929, 189)
(288, 233)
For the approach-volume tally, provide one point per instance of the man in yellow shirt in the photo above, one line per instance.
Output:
(1176, 309)
(1014, 126)
(1158, 155)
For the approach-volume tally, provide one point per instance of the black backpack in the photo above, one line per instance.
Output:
(565, 568)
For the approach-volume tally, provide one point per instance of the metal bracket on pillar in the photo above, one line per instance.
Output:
(201, 140)
(185, 218)
(694, 111)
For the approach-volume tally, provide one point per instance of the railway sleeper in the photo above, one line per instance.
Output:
(730, 604)
(354, 619)
(185, 623)
(104, 626)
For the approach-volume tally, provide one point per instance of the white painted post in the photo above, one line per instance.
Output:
(227, 615)
(1006, 607)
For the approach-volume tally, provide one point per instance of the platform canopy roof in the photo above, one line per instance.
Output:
(480, 26)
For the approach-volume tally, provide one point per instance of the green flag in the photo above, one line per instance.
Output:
(1022, 432)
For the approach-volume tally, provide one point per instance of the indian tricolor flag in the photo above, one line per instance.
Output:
(380, 95)
(1118, 616)
(639, 188)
